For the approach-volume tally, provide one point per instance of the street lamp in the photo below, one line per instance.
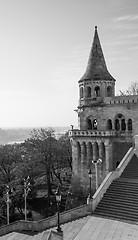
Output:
(90, 178)
(58, 200)
(26, 191)
(95, 162)
(8, 202)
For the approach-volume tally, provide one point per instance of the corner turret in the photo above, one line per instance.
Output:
(96, 82)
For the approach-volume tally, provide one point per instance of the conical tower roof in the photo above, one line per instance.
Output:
(96, 66)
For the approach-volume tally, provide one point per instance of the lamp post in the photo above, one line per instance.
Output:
(90, 178)
(8, 202)
(95, 162)
(58, 200)
(26, 190)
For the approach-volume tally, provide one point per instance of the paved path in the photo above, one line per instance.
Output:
(103, 229)
(87, 228)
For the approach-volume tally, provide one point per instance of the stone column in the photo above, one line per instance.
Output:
(89, 154)
(101, 151)
(95, 151)
(75, 157)
(83, 153)
(109, 157)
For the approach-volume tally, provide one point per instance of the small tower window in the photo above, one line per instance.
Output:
(89, 124)
(109, 91)
(81, 92)
(129, 124)
(97, 91)
(117, 125)
(109, 124)
(88, 92)
(95, 124)
(123, 125)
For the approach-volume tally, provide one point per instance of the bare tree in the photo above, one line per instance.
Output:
(132, 89)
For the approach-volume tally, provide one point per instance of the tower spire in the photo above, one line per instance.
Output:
(96, 67)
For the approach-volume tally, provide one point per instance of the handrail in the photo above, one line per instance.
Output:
(110, 177)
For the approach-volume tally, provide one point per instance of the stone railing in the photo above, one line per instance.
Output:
(46, 223)
(76, 133)
(88, 133)
(110, 177)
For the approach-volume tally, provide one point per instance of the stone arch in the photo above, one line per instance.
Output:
(88, 92)
(89, 124)
(109, 124)
(89, 154)
(109, 91)
(97, 91)
(83, 152)
(81, 92)
(129, 125)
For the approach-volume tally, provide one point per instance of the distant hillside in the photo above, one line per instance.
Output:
(12, 135)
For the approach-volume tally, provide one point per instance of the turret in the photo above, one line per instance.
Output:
(96, 83)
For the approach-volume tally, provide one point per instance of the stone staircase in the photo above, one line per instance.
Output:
(121, 198)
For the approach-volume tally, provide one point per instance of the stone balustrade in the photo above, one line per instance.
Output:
(75, 132)
(47, 223)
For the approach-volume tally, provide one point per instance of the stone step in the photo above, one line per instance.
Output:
(117, 201)
(121, 195)
(117, 216)
(118, 208)
(124, 191)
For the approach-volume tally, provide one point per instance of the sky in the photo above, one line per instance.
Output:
(44, 49)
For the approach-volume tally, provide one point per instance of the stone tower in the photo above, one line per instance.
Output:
(107, 123)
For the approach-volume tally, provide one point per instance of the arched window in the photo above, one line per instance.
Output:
(109, 91)
(109, 124)
(81, 92)
(120, 123)
(95, 124)
(117, 125)
(89, 124)
(97, 91)
(129, 124)
(123, 125)
(88, 92)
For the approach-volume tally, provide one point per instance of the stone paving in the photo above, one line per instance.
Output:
(96, 228)
(87, 228)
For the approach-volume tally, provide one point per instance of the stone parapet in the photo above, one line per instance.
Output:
(85, 133)
(47, 223)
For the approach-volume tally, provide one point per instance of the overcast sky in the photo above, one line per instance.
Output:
(44, 48)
